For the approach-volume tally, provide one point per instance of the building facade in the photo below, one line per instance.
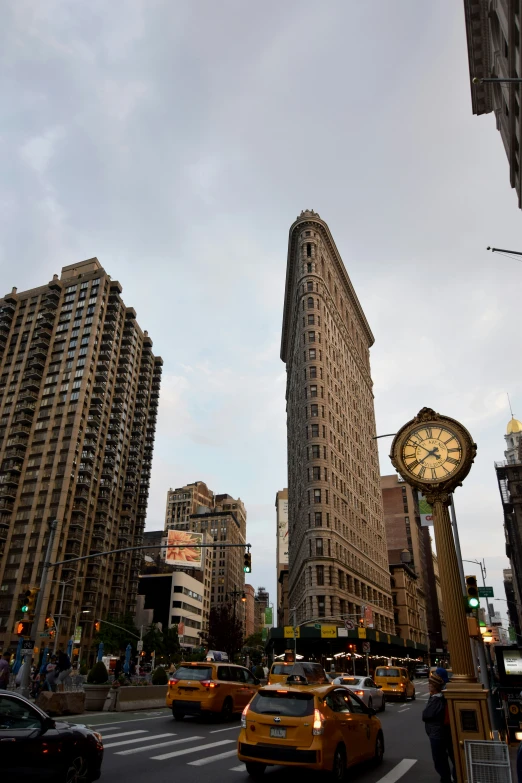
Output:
(509, 477)
(337, 542)
(512, 604)
(406, 555)
(493, 36)
(79, 389)
(223, 518)
(281, 504)
(249, 610)
(261, 603)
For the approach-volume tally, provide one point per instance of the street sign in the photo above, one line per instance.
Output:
(288, 632)
(349, 625)
(27, 644)
(139, 645)
(328, 632)
(366, 647)
(44, 635)
(485, 592)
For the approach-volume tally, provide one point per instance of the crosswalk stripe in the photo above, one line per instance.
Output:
(157, 745)
(188, 750)
(210, 759)
(398, 771)
(115, 724)
(124, 734)
(230, 728)
(137, 739)
(241, 768)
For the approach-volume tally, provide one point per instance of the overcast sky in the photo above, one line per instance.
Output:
(177, 141)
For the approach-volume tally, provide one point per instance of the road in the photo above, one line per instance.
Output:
(150, 745)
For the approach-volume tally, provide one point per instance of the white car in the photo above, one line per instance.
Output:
(365, 689)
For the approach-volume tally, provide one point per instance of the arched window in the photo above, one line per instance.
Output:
(310, 303)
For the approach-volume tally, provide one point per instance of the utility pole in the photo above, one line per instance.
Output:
(24, 685)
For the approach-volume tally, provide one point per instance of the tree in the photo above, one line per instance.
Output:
(115, 640)
(153, 640)
(171, 643)
(225, 631)
(255, 640)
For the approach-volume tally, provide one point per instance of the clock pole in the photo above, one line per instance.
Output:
(422, 453)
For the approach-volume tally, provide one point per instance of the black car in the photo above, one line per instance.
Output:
(421, 671)
(35, 747)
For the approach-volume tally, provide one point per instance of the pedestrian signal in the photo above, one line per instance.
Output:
(472, 595)
(22, 628)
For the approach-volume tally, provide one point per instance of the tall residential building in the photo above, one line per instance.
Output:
(281, 504)
(80, 388)
(493, 35)
(337, 550)
(195, 507)
(407, 558)
(509, 475)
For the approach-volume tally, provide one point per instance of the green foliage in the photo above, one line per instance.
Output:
(84, 669)
(160, 676)
(153, 641)
(225, 631)
(255, 640)
(115, 640)
(98, 674)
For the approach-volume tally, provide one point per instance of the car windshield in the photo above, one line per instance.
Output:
(350, 680)
(193, 673)
(290, 703)
(387, 673)
(281, 668)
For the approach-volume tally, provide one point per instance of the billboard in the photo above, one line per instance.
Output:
(425, 511)
(179, 554)
(268, 616)
(282, 532)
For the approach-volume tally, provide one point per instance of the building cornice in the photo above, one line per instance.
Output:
(312, 219)
(479, 57)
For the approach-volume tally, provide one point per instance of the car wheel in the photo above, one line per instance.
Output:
(227, 709)
(383, 705)
(177, 715)
(370, 703)
(76, 770)
(379, 749)
(255, 769)
(338, 773)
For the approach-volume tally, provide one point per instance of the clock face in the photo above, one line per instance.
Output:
(432, 453)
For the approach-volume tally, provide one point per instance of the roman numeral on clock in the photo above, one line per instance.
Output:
(452, 450)
(429, 432)
(422, 471)
(433, 473)
(412, 465)
(452, 461)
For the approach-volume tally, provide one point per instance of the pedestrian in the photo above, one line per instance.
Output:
(51, 674)
(265, 671)
(4, 671)
(437, 728)
(64, 668)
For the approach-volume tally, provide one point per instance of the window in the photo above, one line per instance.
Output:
(313, 391)
(310, 303)
(309, 286)
(315, 430)
(313, 372)
(309, 250)
(320, 573)
(317, 495)
(309, 267)
(17, 715)
(318, 519)
(321, 606)
(311, 337)
(314, 410)
(311, 353)
(311, 320)
(316, 474)
(316, 452)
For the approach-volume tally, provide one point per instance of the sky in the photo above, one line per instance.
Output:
(177, 141)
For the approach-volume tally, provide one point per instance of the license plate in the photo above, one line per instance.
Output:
(393, 684)
(278, 732)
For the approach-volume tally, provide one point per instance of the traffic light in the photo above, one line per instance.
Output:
(361, 622)
(247, 563)
(97, 626)
(49, 622)
(472, 595)
(29, 600)
(22, 628)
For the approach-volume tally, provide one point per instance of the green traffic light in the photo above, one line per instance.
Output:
(474, 603)
(25, 608)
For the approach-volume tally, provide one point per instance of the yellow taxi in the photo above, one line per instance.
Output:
(395, 682)
(210, 687)
(313, 671)
(320, 727)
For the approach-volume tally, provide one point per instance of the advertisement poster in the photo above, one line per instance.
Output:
(425, 511)
(268, 616)
(184, 556)
(513, 662)
(368, 617)
(282, 532)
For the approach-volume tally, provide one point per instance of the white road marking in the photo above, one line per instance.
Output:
(116, 724)
(230, 728)
(404, 710)
(241, 768)
(188, 750)
(157, 745)
(398, 771)
(124, 734)
(210, 759)
(136, 739)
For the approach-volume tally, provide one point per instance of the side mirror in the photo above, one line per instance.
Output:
(371, 711)
(48, 723)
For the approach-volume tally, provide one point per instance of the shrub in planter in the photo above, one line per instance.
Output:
(84, 669)
(160, 676)
(98, 675)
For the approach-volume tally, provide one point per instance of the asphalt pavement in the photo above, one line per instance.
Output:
(150, 745)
